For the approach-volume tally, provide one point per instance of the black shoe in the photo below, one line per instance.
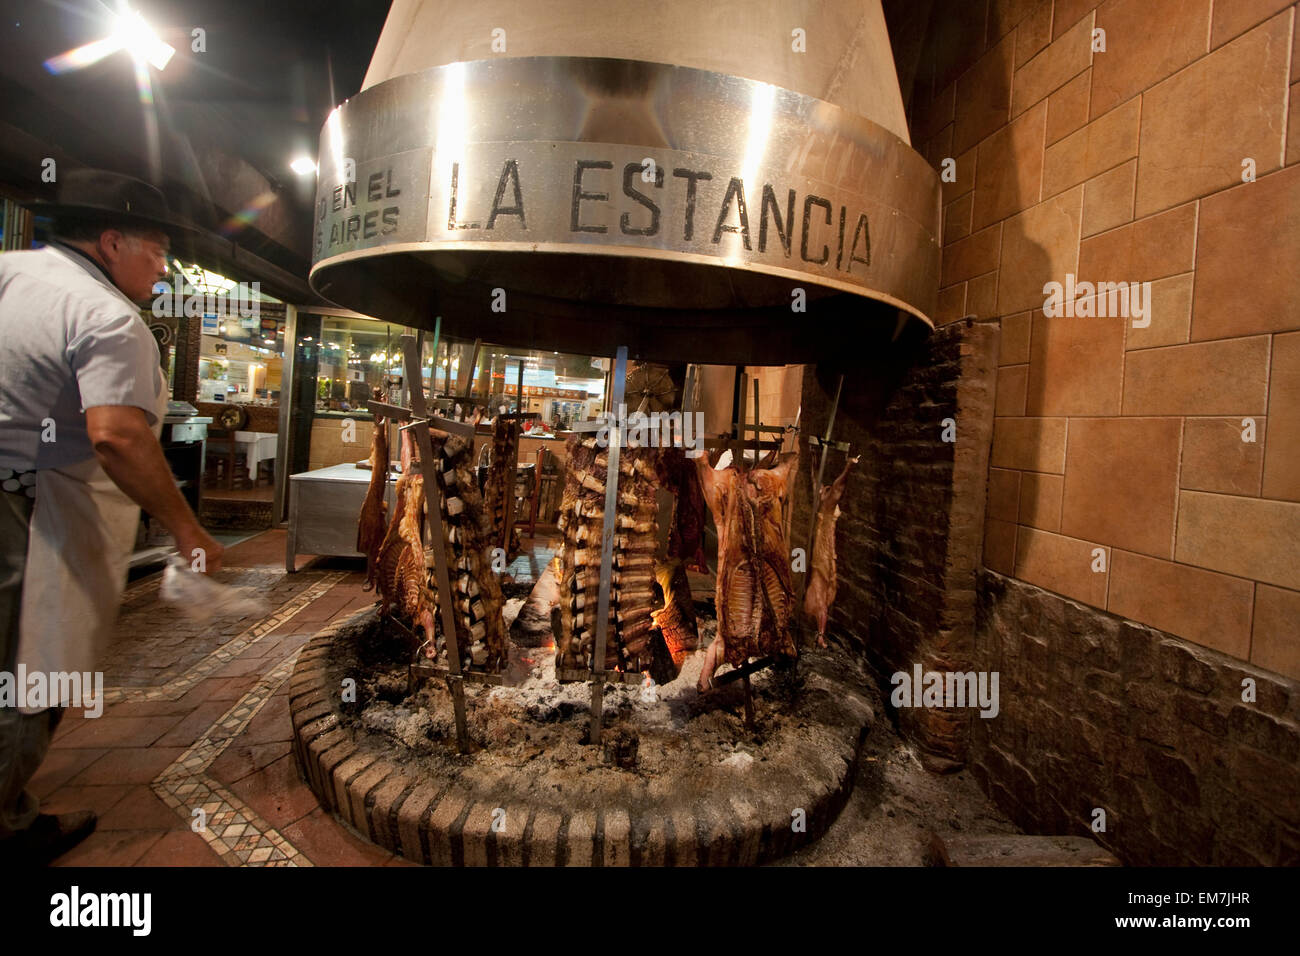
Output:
(50, 836)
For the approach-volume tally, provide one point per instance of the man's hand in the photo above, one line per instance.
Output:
(130, 454)
(204, 542)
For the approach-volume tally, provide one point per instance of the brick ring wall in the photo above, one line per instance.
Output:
(450, 821)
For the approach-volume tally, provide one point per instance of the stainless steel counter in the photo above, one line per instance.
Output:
(323, 509)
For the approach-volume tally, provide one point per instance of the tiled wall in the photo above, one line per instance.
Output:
(1127, 165)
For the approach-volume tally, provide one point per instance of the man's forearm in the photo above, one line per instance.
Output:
(135, 462)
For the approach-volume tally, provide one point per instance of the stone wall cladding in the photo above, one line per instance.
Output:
(1099, 711)
(910, 538)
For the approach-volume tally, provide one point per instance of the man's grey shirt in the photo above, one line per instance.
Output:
(69, 340)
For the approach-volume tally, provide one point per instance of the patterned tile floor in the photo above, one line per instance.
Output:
(190, 763)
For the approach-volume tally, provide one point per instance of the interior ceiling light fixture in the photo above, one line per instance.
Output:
(129, 32)
(303, 165)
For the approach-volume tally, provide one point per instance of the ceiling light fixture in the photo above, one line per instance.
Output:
(303, 165)
(129, 32)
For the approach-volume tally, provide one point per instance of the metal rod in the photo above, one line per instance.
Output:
(607, 531)
(749, 704)
(433, 501)
(821, 470)
(757, 423)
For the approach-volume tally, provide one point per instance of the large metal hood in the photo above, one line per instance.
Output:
(626, 174)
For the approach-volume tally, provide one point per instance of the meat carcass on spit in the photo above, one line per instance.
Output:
(755, 594)
(820, 595)
(370, 524)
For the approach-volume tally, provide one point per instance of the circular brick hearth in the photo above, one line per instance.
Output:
(771, 793)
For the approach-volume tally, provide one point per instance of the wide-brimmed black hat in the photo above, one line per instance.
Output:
(99, 195)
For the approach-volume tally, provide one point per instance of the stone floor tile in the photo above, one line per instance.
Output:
(111, 848)
(240, 759)
(326, 843)
(180, 848)
(276, 793)
(129, 765)
(118, 731)
(142, 810)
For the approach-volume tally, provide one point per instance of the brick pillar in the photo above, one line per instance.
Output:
(911, 534)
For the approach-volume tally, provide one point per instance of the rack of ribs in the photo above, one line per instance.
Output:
(469, 539)
(677, 473)
(820, 595)
(370, 525)
(755, 593)
(499, 489)
(581, 522)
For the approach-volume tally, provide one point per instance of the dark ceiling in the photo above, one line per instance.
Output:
(228, 119)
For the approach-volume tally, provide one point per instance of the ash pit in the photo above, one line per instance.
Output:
(677, 779)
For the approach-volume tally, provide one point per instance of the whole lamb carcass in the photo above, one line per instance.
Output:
(755, 593)
(822, 582)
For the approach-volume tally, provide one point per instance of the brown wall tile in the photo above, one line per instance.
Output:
(958, 40)
(1146, 41)
(1199, 124)
(1015, 339)
(1227, 377)
(1000, 546)
(1040, 500)
(1009, 168)
(1293, 126)
(952, 304)
(1039, 245)
(1101, 145)
(1151, 248)
(1069, 12)
(1248, 244)
(1212, 609)
(1029, 444)
(1170, 311)
(1063, 60)
(1067, 108)
(1249, 537)
(982, 296)
(935, 114)
(1234, 17)
(1034, 33)
(964, 176)
(1276, 639)
(1005, 16)
(1012, 382)
(1282, 445)
(972, 256)
(1108, 199)
(939, 147)
(1060, 564)
(1216, 459)
(984, 95)
(1121, 482)
(1076, 366)
(956, 218)
(1004, 494)
(1295, 55)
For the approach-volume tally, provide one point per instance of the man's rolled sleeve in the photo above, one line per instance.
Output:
(114, 358)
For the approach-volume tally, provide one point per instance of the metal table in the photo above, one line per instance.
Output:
(323, 508)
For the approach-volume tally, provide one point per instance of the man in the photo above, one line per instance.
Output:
(82, 397)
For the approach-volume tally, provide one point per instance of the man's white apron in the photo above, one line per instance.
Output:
(82, 532)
